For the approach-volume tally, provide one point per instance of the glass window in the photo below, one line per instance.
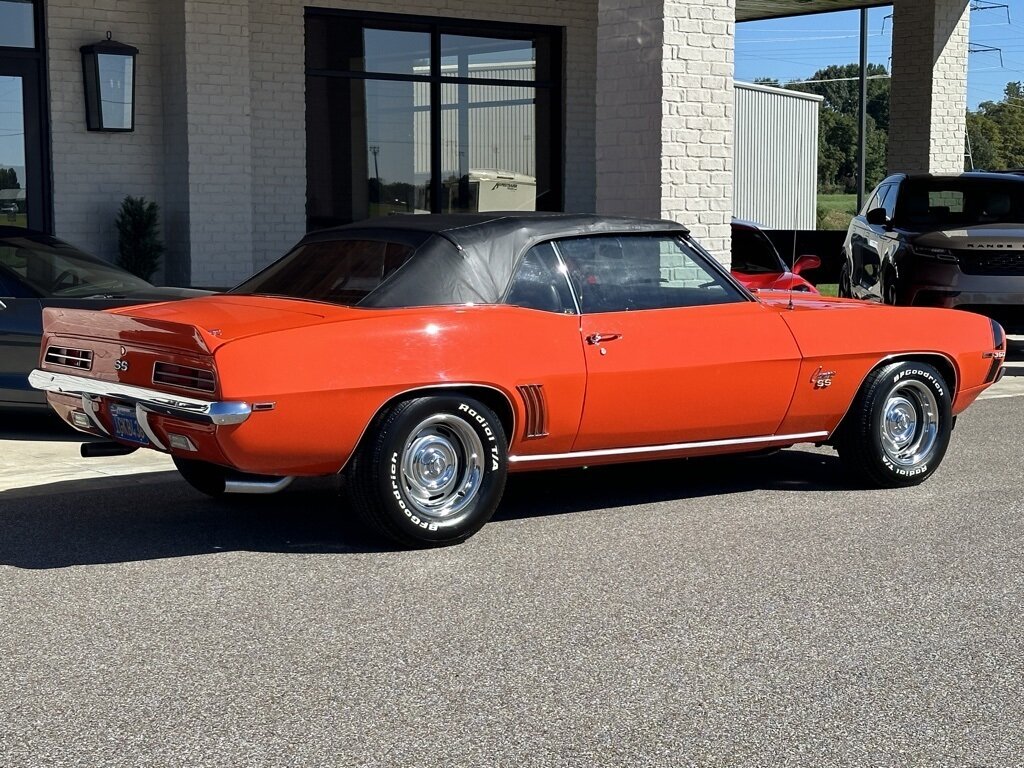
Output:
(60, 270)
(378, 90)
(874, 201)
(13, 181)
(959, 202)
(335, 43)
(488, 143)
(540, 282)
(488, 57)
(17, 24)
(369, 150)
(637, 272)
(888, 199)
(116, 88)
(339, 271)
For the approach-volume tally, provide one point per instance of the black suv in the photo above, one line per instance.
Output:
(941, 241)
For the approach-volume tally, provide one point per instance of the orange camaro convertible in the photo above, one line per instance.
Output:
(428, 356)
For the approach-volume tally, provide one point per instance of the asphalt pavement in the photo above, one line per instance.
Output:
(717, 612)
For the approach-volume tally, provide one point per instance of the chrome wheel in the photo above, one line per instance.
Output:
(442, 466)
(909, 424)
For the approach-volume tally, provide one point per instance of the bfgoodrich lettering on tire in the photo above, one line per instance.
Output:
(898, 428)
(430, 471)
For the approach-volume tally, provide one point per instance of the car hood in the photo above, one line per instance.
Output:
(981, 236)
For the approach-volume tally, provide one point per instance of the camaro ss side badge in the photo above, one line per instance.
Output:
(822, 379)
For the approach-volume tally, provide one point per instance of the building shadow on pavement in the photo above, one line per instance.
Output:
(155, 516)
(38, 426)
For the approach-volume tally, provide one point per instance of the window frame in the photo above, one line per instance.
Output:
(704, 259)
(553, 143)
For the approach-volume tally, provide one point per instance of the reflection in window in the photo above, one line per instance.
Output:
(628, 273)
(488, 57)
(368, 150)
(376, 93)
(116, 75)
(339, 271)
(488, 148)
(17, 24)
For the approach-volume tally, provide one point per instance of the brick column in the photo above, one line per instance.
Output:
(219, 95)
(665, 113)
(928, 105)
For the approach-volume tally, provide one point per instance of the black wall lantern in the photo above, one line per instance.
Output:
(109, 68)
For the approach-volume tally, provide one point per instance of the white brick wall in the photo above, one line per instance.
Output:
(929, 86)
(220, 137)
(221, 140)
(220, 145)
(665, 113)
(93, 172)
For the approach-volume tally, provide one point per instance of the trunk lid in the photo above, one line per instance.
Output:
(197, 326)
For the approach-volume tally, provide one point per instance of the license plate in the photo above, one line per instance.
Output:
(126, 425)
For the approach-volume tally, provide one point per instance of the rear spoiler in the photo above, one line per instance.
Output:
(128, 330)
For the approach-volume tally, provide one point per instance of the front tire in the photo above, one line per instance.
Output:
(430, 471)
(898, 429)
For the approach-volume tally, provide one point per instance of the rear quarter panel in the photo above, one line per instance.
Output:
(328, 381)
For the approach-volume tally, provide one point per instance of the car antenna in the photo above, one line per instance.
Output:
(796, 208)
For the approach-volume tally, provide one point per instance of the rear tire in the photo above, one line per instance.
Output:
(430, 471)
(898, 428)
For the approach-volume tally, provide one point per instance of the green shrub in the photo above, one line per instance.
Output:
(138, 237)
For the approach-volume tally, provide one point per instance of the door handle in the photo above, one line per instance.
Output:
(2, 305)
(600, 338)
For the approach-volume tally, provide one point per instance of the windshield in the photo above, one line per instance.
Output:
(339, 271)
(753, 253)
(56, 269)
(959, 202)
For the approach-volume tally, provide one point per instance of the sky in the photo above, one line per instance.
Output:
(794, 48)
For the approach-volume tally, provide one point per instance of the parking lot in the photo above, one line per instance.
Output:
(709, 612)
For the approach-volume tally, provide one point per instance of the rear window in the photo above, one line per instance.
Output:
(338, 271)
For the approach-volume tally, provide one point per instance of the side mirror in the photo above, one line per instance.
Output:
(806, 263)
(877, 217)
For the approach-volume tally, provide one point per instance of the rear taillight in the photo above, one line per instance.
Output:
(184, 376)
(69, 358)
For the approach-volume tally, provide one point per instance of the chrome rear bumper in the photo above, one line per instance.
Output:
(146, 400)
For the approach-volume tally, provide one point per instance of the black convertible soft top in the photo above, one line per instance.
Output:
(471, 257)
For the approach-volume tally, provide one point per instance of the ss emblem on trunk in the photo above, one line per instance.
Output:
(121, 365)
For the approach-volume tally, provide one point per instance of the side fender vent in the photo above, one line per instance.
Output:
(536, 421)
(70, 358)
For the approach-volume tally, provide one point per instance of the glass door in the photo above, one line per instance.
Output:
(21, 198)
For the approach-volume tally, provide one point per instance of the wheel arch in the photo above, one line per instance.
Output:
(494, 398)
(939, 360)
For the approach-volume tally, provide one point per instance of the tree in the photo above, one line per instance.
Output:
(996, 130)
(838, 130)
(9, 179)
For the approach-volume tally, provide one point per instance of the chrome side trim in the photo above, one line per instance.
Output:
(176, 406)
(656, 449)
